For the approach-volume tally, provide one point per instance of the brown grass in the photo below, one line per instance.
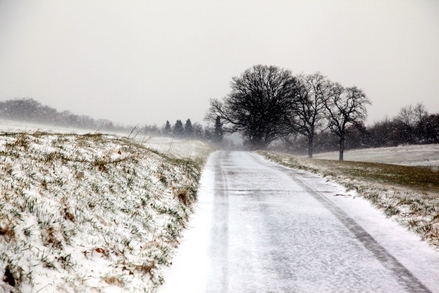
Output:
(113, 281)
(417, 178)
(422, 179)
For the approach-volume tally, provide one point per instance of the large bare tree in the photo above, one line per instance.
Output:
(345, 107)
(412, 115)
(308, 106)
(258, 105)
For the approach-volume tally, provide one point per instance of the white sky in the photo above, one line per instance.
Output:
(145, 62)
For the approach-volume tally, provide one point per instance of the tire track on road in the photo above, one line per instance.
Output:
(399, 271)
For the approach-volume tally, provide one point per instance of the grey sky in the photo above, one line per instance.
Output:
(145, 62)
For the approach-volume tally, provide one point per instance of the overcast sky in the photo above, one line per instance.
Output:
(145, 62)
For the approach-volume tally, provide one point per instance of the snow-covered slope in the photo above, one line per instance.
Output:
(89, 213)
(170, 146)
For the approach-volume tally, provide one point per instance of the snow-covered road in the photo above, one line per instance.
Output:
(260, 227)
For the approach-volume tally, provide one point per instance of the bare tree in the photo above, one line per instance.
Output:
(406, 116)
(219, 132)
(409, 122)
(309, 108)
(198, 130)
(258, 105)
(412, 115)
(345, 107)
(420, 111)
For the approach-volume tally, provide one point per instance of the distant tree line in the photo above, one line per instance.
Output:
(412, 125)
(213, 134)
(30, 110)
(269, 106)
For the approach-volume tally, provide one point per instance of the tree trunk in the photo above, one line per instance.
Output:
(342, 140)
(310, 146)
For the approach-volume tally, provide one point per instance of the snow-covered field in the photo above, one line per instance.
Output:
(407, 155)
(178, 148)
(18, 126)
(91, 212)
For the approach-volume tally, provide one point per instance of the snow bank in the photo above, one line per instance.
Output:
(89, 213)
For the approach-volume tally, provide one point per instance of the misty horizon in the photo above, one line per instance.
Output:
(147, 62)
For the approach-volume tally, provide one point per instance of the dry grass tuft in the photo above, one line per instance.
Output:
(182, 195)
(7, 229)
(113, 281)
(145, 268)
(8, 277)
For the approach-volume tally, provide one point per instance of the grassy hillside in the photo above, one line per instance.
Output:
(89, 213)
(408, 194)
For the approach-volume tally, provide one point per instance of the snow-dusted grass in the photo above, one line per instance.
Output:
(89, 213)
(410, 195)
(170, 146)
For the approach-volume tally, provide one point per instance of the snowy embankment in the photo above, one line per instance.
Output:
(409, 195)
(91, 212)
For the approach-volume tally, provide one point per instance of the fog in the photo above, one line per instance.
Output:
(145, 62)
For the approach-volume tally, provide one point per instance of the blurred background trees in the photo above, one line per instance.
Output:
(269, 108)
